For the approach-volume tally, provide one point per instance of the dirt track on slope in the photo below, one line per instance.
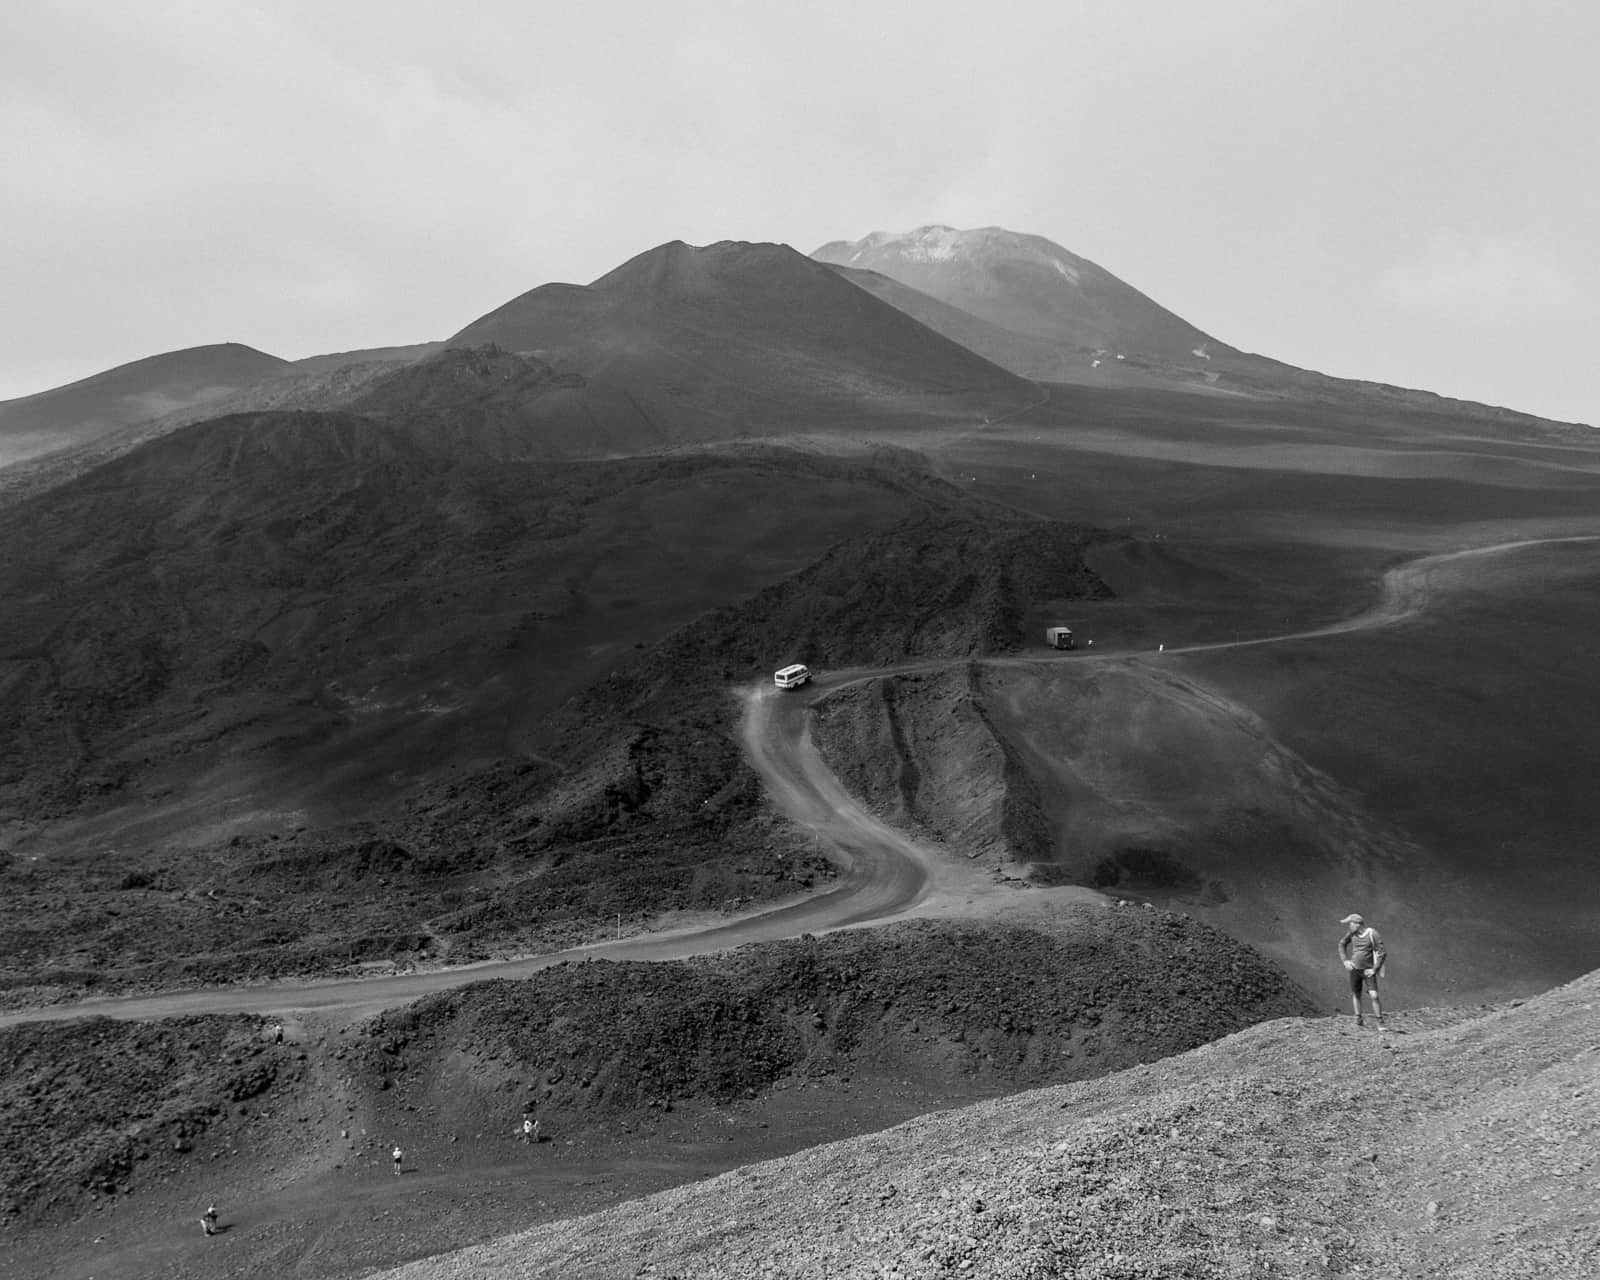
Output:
(884, 874)
(1407, 590)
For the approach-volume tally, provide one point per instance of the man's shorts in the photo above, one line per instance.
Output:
(1359, 979)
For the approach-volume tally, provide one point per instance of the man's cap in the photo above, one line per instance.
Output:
(1352, 918)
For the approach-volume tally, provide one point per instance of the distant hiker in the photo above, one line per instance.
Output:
(530, 1128)
(277, 1034)
(208, 1221)
(1161, 648)
(397, 1156)
(1362, 954)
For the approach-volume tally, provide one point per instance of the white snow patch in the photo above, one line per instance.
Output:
(1095, 365)
(1065, 270)
(1201, 352)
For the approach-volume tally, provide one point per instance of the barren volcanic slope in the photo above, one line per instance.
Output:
(292, 692)
(488, 402)
(1031, 355)
(238, 640)
(736, 338)
(1025, 285)
(322, 388)
(369, 355)
(641, 1076)
(1294, 1150)
(1432, 768)
(1036, 309)
(679, 343)
(149, 388)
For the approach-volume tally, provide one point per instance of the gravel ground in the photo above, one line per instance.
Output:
(1457, 1147)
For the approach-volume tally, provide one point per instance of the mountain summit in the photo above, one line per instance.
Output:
(1037, 290)
(95, 406)
(723, 338)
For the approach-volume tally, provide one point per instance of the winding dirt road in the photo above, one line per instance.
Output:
(1406, 592)
(884, 873)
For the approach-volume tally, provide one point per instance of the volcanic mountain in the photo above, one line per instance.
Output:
(736, 337)
(1034, 308)
(1023, 353)
(150, 388)
(472, 659)
(1028, 286)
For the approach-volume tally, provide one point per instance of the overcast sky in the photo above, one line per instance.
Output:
(1406, 192)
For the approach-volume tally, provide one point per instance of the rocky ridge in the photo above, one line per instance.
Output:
(921, 752)
(99, 1114)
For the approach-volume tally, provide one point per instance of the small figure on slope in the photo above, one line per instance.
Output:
(1362, 954)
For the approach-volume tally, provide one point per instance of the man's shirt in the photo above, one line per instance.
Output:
(1364, 949)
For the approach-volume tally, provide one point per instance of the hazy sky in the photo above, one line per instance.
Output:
(1406, 192)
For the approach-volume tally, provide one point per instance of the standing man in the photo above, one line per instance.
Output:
(527, 1129)
(1362, 954)
(397, 1156)
(208, 1221)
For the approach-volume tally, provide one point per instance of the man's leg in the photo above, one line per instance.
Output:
(1377, 1002)
(1355, 997)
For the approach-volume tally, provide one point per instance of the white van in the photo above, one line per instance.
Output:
(791, 677)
